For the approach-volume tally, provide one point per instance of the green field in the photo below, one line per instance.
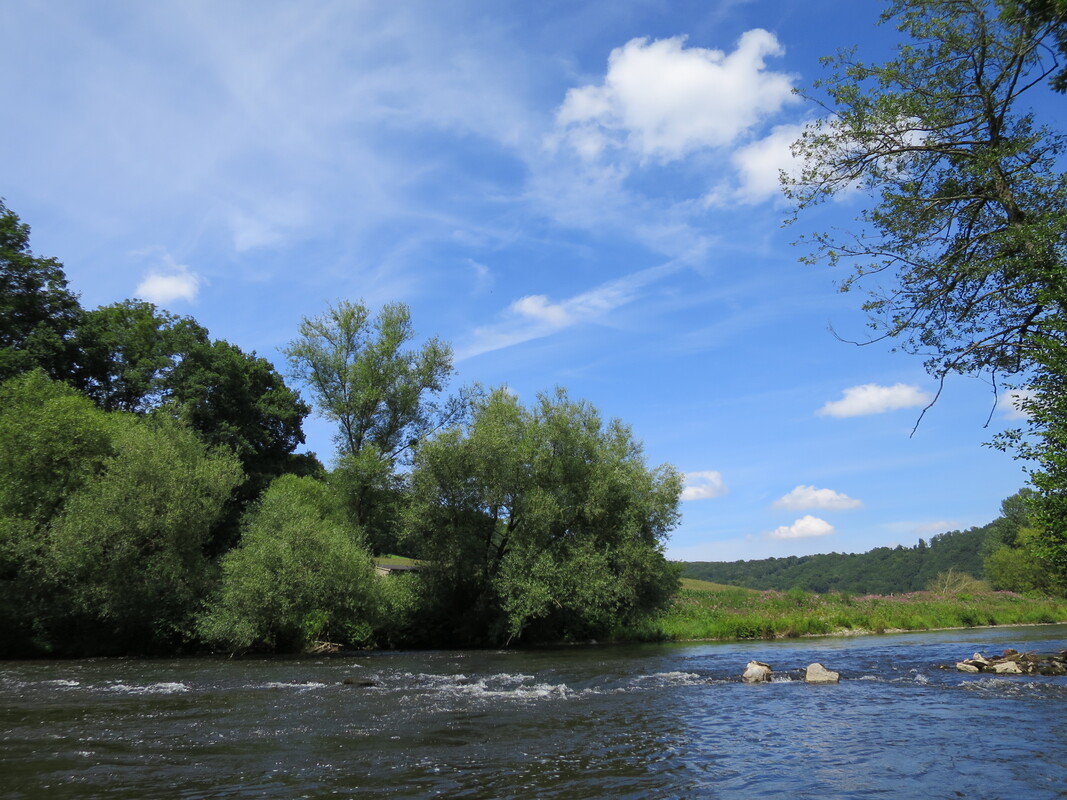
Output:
(703, 610)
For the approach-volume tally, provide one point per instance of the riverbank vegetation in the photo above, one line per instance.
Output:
(152, 500)
(710, 611)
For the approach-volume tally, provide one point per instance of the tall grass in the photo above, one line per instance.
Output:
(710, 611)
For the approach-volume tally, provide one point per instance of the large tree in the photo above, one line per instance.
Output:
(963, 248)
(38, 314)
(541, 523)
(382, 393)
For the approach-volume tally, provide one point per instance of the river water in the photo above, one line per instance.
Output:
(651, 721)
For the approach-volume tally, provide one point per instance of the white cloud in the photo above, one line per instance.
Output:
(809, 497)
(870, 398)
(535, 316)
(166, 287)
(537, 307)
(1010, 403)
(758, 167)
(662, 100)
(703, 485)
(804, 528)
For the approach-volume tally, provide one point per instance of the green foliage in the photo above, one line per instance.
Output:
(541, 523)
(1046, 15)
(362, 377)
(128, 546)
(730, 613)
(952, 582)
(128, 350)
(299, 574)
(38, 314)
(883, 570)
(967, 231)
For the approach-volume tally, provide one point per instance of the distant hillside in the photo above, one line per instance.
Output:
(884, 570)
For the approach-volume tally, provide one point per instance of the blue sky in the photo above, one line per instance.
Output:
(574, 194)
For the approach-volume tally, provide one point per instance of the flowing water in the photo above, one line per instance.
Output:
(652, 721)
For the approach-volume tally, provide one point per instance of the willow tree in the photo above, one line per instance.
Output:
(962, 246)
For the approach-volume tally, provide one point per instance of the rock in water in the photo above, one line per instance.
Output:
(1007, 668)
(817, 673)
(757, 672)
(963, 666)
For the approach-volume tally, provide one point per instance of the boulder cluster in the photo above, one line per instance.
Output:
(1015, 663)
(758, 672)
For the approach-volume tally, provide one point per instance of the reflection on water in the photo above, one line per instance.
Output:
(649, 721)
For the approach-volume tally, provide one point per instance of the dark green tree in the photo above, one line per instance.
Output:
(38, 314)
(127, 352)
(1043, 13)
(541, 524)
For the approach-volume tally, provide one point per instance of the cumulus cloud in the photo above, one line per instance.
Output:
(1011, 403)
(177, 283)
(806, 527)
(703, 485)
(537, 307)
(662, 100)
(870, 398)
(809, 497)
(758, 166)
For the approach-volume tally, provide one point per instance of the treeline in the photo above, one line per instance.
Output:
(152, 499)
(883, 570)
(1000, 553)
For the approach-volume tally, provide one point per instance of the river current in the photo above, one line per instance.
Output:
(650, 721)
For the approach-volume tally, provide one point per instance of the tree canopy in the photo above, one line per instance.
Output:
(542, 523)
(962, 251)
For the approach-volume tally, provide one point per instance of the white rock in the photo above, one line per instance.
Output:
(963, 666)
(1007, 668)
(817, 673)
(757, 672)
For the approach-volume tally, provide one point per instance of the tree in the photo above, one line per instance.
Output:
(541, 524)
(968, 231)
(300, 574)
(127, 352)
(362, 379)
(53, 440)
(38, 314)
(379, 393)
(969, 224)
(128, 548)
(1048, 12)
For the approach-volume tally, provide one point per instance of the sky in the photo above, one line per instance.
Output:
(572, 194)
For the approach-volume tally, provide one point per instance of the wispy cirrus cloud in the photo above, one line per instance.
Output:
(536, 316)
(871, 398)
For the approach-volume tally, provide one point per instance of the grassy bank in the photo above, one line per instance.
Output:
(713, 611)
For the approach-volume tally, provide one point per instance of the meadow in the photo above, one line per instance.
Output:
(703, 610)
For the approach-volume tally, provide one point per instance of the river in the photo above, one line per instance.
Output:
(650, 721)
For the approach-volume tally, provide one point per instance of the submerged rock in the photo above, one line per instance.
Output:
(817, 673)
(364, 683)
(757, 672)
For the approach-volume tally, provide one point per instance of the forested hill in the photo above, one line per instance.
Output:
(884, 570)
